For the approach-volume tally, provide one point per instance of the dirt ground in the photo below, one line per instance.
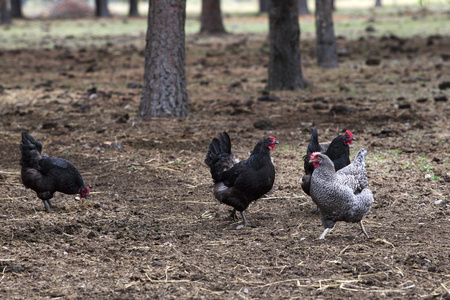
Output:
(151, 227)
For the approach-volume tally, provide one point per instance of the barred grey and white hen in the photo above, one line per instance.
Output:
(341, 195)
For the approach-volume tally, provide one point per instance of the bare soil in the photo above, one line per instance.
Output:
(151, 227)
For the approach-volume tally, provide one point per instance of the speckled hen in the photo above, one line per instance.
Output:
(341, 195)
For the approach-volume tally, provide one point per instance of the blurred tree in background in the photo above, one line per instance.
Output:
(101, 9)
(285, 70)
(5, 12)
(133, 11)
(326, 48)
(211, 18)
(16, 9)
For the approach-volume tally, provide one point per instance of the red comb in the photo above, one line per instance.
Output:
(349, 133)
(274, 139)
(314, 155)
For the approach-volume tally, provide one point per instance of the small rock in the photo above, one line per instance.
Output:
(239, 227)
(445, 57)
(447, 177)
(245, 291)
(341, 109)
(263, 124)
(134, 85)
(373, 61)
(370, 28)
(427, 176)
(441, 98)
(91, 235)
(320, 106)
(49, 125)
(269, 98)
(444, 85)
(439, 202)
(404, 106)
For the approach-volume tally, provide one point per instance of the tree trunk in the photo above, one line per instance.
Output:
(16, 9)
(5, 12)
(134, 11)
(326, 48)
(377, 3)
(101, 8)
(285, 70)
(211, 18)
(303, 8)
(164, 92)
(264, 6)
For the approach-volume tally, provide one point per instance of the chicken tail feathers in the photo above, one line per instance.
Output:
(31, 150)
(219, 157)
(314, 145)
(360, 157)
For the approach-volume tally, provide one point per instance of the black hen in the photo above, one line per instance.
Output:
(338, 151)
(239, 183)
(47, 175)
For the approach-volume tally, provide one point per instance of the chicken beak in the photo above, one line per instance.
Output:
(353, 139)
(276, 142)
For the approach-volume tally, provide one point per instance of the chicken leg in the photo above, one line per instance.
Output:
(233, 215)
(48, 205)
(322, 236)
(363, 230)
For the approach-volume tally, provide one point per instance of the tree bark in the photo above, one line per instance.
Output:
(264, 6)
(377, 3)
(134, 11)
(16, 9)
(285, 71)
(211, 18)
(5, 12)
(303, 7)
(326, 48)
(101, 9)
(164, 91)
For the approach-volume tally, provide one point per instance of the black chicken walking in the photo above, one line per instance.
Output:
(236, 183)
(47, 175)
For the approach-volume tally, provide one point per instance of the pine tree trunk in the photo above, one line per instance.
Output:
(164, 92)
(285, 71)
(303, 7)
(134, 11)
(211, 18)
(101, 8)
(5, 12)
(16, 9)
(326, 41)
(264, 6)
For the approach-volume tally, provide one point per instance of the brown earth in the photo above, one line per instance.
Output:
(151, 227)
